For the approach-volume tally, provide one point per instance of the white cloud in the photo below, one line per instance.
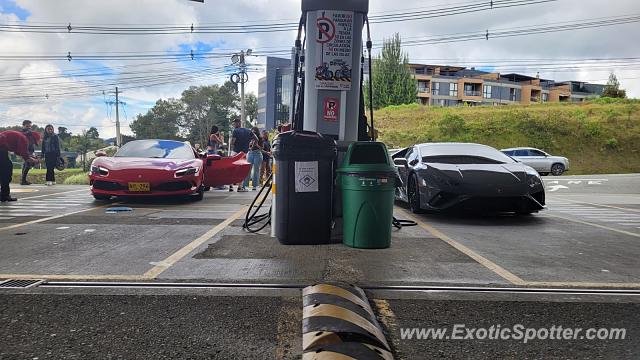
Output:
(600, 42)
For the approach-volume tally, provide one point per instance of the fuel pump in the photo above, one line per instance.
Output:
(328, 109)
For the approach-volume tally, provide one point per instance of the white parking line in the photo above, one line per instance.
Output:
(32, 207)
(6, 217)
(33, 210)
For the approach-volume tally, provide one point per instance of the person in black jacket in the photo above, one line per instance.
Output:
(51, 152)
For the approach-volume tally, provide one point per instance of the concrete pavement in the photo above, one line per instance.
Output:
(588, 237)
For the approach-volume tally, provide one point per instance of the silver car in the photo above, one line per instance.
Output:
(539, 160)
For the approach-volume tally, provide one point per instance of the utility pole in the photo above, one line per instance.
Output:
(118, 136)
(242, 70)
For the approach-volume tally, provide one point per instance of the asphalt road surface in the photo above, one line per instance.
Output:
(587, 238)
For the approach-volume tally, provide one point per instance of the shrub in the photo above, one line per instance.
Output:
(78, 179)
(611, 144)
(593, 128)
(451, 126)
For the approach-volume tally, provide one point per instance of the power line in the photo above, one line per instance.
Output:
(416, 41)
(245, 28)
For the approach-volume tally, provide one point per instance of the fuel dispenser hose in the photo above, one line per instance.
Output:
(252, 218)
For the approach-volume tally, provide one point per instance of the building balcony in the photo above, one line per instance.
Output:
(535, 99)
(472, 93)
(423, 90)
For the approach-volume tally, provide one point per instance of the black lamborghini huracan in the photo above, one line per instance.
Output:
(464, 176)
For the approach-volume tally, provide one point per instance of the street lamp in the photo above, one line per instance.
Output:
(241, 77)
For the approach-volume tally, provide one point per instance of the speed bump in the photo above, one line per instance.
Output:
(338, 323)
(347, 351)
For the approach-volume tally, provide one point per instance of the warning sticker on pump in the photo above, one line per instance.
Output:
(333, 55)
(306, 176)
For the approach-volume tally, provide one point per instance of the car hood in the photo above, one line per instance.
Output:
(125, 163)
(485, 174)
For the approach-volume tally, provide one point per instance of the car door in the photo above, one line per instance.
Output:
(522, 155)
(219, 171)
(539, 160)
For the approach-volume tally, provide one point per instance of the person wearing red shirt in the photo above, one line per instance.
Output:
(16, 142)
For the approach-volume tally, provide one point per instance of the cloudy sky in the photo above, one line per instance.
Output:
(79, 93)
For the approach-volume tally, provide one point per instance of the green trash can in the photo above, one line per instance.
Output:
(367, 183)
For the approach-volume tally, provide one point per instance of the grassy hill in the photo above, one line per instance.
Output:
(599, 137)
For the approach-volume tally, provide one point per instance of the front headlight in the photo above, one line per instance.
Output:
(187, 171)
(99, 170)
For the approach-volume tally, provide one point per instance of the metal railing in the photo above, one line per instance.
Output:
(472, 93)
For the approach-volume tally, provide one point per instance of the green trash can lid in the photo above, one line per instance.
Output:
(366, 157)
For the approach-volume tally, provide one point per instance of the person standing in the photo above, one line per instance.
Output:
(240, 140)
(255, 159)
(215, 141)
(266, 156)
(51, 153)
(26, 130)
(16, 142)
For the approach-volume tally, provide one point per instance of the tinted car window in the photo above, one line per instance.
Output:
(509, 152)
(460, 159)
(536, 153)
(408, 154)
(473, 153)
(165, 149)
(521, 153)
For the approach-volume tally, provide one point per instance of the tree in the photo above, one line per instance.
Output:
(612, 89)
(251, 108)
(162, 121)
(206, 106)
(393, 84)
(84, 142)
(93, 133)
(63, 133)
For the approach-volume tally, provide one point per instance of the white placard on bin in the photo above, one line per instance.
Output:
(306, 176)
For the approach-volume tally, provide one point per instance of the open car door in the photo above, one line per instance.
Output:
(219, 171)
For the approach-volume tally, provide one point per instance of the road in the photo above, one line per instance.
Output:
(587, 238)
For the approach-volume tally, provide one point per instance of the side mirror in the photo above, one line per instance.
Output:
(100, 153)
(400, 161)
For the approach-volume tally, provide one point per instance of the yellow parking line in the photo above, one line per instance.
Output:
(497, 269)
(174, 258)
(595, 225)
(588, 203)
(52, 218)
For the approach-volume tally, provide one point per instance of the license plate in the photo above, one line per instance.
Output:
(139, 187)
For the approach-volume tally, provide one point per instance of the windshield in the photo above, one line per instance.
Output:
(463, 154)
(164, 149)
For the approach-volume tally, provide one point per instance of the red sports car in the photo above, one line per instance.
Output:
(163, 168)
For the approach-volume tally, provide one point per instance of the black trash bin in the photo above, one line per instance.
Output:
(304, 187)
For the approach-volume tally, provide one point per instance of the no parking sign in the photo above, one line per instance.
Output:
(333, 54)
(331, 109)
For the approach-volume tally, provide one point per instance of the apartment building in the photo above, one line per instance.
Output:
(454, 85)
